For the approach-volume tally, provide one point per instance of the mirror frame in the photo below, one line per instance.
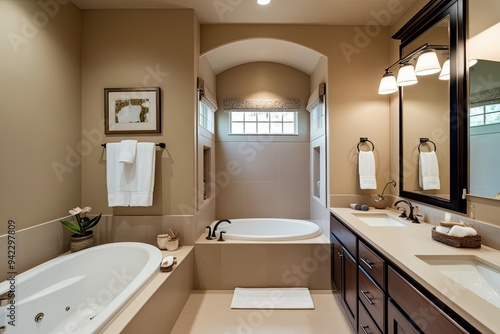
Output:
(433, 12)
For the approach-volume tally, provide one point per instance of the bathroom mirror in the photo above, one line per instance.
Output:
(484, 97)
(434, 109)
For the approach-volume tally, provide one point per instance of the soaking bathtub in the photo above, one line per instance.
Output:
(268, 229)
(79, 292)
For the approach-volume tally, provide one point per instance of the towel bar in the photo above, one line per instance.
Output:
(162, 145)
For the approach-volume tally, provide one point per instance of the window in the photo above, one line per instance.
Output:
(485, 115)
(206, 117)
(262, 122)
(318, 117)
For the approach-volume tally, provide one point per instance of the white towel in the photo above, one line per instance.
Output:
(127, 151)
(428, 168)
(143, 176)
(116, 177)
(462, 231)
(366, 165)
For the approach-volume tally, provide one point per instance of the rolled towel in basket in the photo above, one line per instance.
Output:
(462, 231)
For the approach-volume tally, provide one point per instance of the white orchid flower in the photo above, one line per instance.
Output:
(76, 211)
(86, 209)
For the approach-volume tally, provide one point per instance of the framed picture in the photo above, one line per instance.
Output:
(132, 110)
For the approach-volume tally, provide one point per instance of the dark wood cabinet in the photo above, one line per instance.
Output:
(397, 323)
(372, 297)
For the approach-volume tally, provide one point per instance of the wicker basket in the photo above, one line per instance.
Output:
(473, 241)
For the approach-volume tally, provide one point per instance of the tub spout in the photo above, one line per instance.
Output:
(217, 225)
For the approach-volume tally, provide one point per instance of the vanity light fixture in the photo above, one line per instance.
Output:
(263, 2)
(406, 75)
(445, 71)
(388, 84)
(427, 63)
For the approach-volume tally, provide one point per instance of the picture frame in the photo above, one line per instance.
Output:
(132, 110)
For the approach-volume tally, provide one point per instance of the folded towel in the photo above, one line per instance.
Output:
(143, 175)
(127, 151)
(462, 231)
(428, 168)
(117, 177)
(366, 166)
(442, 229)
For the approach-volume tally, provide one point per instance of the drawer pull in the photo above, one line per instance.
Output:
(366, 329)
(365, 294)
(367, 262)
(340, 255)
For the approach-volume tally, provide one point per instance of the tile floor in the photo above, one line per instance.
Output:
(209, 312)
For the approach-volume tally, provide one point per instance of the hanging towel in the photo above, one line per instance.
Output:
(366, 162)
(428, 168)
(117, 177)
(143, 175)
(127, 151)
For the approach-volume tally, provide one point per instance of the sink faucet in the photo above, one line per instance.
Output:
(411, 216)
(217, 225)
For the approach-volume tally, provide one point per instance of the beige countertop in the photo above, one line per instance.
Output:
(403, 245)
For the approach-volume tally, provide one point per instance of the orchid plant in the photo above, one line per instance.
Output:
(80, 227)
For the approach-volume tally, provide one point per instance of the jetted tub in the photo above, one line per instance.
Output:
(268, 229)
(78, 292)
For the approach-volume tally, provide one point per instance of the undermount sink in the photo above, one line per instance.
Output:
(379, 219)
(477, 276)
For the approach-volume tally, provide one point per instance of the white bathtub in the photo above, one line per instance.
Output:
(268, 229)
(79, 292)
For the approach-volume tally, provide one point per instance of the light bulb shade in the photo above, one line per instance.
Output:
(387, 84)
(427, 63)
(472, 62)
(445, 71)
(263, 2)
(406, 75)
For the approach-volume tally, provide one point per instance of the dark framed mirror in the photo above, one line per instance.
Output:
(433, 111)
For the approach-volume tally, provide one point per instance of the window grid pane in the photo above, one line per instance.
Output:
(484, 115)
(263, 122)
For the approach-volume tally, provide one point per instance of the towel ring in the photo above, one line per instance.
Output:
(426, 141)
(364, 140)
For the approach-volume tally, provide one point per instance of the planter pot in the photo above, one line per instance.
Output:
(380, 202)
(79, 243)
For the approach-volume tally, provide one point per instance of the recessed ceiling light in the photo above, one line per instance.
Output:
(263, 2)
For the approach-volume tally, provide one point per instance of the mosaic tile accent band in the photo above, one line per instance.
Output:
(252, 105)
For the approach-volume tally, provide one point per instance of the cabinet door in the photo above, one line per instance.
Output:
(351, 287)
(336, 265)
(397, 322)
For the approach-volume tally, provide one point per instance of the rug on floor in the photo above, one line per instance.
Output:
(272, 298)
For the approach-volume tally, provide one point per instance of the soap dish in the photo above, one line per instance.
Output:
(472, 241)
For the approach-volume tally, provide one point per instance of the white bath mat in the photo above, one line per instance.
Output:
(272, 298)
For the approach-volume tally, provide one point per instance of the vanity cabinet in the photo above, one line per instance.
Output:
(379, 297)
(344, 268)
(423, 313)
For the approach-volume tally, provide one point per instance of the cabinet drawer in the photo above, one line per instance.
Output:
(373, 264)
(397, 322)
(372, 297)
(366, 324)
(412, 302)
(345, 236)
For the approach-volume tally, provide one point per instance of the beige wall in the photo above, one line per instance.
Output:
(136, 48)
(264, 176)
(355, 108)
(40, 126)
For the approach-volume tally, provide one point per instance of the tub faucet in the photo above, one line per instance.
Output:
(6, 298)
(217, 225)
(411, 216)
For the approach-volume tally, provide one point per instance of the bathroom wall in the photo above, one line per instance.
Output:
(262, 176)
(40, 125)
(143, 48)
(356, 57)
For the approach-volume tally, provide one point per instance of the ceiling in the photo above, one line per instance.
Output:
(337, 12)
(327, 12)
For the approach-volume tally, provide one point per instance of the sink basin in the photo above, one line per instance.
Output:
(477, 276)
(379, 219)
